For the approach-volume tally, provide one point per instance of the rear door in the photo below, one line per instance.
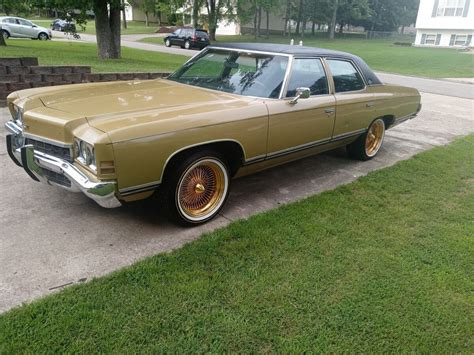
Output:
(355, 104)
(14, 27)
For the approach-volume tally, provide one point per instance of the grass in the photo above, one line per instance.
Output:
(384, 264)
(382, 55)
(67, 53)
(133, 27)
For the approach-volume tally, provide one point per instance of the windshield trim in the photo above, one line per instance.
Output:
(285, 79)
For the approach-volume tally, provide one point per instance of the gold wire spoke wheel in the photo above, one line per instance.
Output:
(374, 138)
(202, 189)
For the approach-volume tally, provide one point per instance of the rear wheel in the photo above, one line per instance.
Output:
(5, 34)
(167, 43)
(187, 45)
(197, 188)
(43, 36)
(368, 144)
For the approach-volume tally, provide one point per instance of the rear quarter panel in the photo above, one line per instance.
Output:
(394, 100)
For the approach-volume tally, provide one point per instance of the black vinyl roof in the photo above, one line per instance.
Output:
(297, 50)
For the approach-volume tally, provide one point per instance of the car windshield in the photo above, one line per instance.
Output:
(243, 73)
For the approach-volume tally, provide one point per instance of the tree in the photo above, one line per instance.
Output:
(107, 25)
(147, 6)
(332, 25)
(2, 39)
(217, 10)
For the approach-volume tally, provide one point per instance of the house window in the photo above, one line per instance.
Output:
(430, 39)
(460, 40)
(450, 7)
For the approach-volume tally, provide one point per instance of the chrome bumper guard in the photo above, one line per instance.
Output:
(35, 163)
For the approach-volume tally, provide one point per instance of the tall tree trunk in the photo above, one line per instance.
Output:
(2, 39)
(341, 27)
(212, 14)
(255, 20)
(107, 24)
(303, 28)
(332, 25)
(124, 15)
(300, 15)
(195, 13)
(287, 17)
(313, 28)
(146, 18)
(259, 20)
(268, 23)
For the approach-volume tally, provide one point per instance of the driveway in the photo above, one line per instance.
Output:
(50, 238)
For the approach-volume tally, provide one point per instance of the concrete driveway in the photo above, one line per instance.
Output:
(50, 238)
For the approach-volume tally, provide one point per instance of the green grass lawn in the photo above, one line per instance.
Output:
(384, 264)
(382, 55)
(73, 53)
(133, 27)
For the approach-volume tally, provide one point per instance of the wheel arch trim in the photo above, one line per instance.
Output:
(191, 146)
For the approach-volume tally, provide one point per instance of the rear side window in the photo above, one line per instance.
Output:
(201, 34)
(308, 72)
(345, 75)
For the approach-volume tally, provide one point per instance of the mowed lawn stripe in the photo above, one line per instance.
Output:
(77, 53)
(384, 264)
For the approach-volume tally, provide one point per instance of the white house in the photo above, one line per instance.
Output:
(445, 23)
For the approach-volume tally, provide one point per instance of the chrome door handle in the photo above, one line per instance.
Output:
(329, 110)
(369, 104)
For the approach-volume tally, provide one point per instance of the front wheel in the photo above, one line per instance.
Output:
(197, 188)
(368, 144)
(187, 45)
(43, 36)
(167, 43)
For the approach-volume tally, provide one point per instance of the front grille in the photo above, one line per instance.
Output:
(51, 149)
(57, 178)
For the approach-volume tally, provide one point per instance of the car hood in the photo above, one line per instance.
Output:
(115, 106)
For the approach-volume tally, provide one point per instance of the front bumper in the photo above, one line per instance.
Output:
(40, 167)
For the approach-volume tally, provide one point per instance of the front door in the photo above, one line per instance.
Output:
(309, 122)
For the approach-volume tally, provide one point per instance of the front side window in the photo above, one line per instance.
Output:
(345, 76)
(242, 73)
(307, 72)
(25, 23)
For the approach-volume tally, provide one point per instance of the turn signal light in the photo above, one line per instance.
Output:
(107, 167)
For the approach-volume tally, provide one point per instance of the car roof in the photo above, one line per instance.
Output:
(297, 50)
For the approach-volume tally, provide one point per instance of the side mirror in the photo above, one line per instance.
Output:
(301, 93)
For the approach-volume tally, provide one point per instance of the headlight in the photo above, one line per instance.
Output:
(84, 153)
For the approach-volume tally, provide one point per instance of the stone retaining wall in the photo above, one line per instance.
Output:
(25, 73)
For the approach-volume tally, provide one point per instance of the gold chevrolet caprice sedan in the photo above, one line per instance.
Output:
(229, 111)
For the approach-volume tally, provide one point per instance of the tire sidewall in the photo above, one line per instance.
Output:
(187, 45)
(168, 43)
(174, 179)
(43, 36)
